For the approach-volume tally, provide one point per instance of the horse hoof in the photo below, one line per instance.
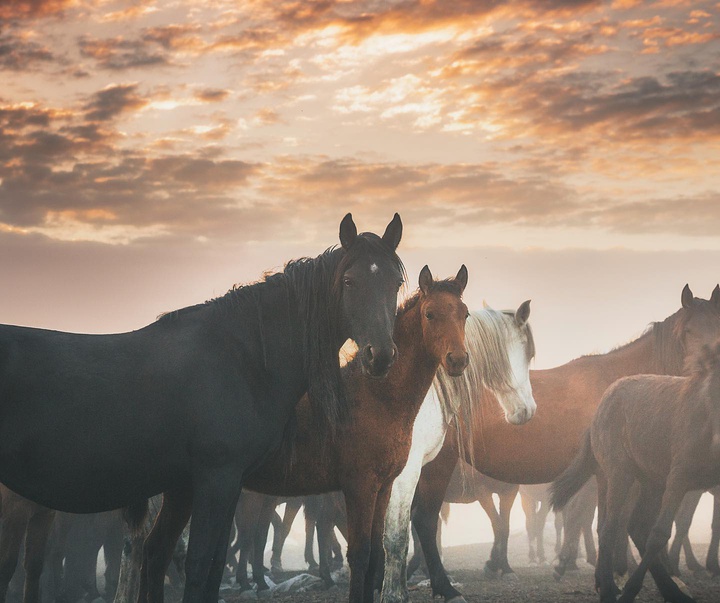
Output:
(490, 572)
(557, 575)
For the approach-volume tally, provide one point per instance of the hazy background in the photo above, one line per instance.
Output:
(152, 154)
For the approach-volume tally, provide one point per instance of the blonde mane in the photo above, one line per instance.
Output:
(488, 333)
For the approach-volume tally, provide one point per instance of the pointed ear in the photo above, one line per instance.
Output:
(686, 298)
(715, 297)
(348, 232)
(462, 278)
(393, 232)
(426, 280)
(522, 314)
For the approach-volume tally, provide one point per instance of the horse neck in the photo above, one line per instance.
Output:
(637, 357)
(411, 376)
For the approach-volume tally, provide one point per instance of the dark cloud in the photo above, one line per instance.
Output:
(25, 9)
(17, 54)
(212, 95)
(113, 101)
(117, 54)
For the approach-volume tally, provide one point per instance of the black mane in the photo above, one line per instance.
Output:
(313, 288)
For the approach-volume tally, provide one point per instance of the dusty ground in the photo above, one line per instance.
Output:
(533, 584)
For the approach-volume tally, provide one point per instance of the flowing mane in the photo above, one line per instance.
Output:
(487, 335)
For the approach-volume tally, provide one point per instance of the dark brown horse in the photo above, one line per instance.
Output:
(567, 396)
(192, 403)
(368, 452)
(663, 432)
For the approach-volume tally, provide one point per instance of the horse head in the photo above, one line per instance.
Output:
(443, 315)
(369, 278)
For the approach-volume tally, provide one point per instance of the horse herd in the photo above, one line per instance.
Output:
(248, 391)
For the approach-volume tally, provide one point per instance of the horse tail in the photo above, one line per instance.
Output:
(574, 477)
(135, 515)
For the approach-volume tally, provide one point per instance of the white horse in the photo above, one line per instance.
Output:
(501, 346)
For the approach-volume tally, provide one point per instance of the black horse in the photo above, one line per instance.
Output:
(191, 403)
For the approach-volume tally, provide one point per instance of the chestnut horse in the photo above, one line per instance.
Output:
(567, 396)
(365, 455)
(502, 347)
(663, 432)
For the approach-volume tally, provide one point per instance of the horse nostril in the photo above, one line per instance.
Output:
(368, 353)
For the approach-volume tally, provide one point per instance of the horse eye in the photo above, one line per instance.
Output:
(467, 315)
(347, 281)
(400, 283)
(429, 315)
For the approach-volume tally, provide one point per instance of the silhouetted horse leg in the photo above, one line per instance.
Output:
(112, 550)
(429, 497)
(588, 540)
(683, 519)
(292, 507)
(325, 528)
(616, 487)
(313, 506)
(262, 526)
(13, 529)
(712, 564)
(38, 531)
(160, 544)
(645, 514)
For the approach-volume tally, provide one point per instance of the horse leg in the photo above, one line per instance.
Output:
(617, 485)
(36, 537)
(506, 502)
(397, 535)
(160, 544)
(325, 524)
(711, 563)
(433, 483)
(529, 508)
(312, 506)
(683, 519)
(657, 539)
(267, 506)
(360, 500)
(373, 578)
(13, 523)
(541, 518)
(590, 550)
(492, 565)
(558, 531)
(112, 547)
(571, 538)
(292, 507)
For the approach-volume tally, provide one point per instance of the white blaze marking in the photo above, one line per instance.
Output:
(374, 268)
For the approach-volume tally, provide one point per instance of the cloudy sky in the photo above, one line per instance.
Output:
(154, 153)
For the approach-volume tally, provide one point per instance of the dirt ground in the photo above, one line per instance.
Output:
(532, 583)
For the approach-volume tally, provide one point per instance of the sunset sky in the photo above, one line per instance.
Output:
(154, 153)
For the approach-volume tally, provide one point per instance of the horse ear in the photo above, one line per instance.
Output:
(393, 232)
(522, 314)
(462, 278)
(715, 297)
(348, 231)
(686, 298)
(426, 280)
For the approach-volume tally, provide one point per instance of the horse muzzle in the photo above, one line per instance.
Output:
(376, 362)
